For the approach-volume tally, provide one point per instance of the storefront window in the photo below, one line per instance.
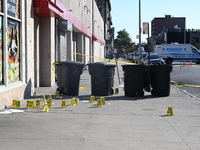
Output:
(13, 51)
(13, 8)
(1, 57)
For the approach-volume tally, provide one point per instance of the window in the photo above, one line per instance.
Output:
(10, 49)
(13, 8)
(194, 50)
(13, 50)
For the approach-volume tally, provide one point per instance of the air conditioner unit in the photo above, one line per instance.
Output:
(65, 25)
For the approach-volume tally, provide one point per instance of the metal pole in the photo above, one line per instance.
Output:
(148, 46)
(139, 34)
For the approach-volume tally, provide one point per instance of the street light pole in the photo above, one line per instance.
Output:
(139, 33)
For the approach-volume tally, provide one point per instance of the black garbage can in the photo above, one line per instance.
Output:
(68, 77)
(102, 78)
(160, 80)
(134, 80)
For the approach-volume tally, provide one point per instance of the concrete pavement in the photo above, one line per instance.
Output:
(123, 123)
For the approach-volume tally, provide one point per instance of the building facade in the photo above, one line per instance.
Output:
(104, 7)
(187, 36)
(158, 24)
(37, 33)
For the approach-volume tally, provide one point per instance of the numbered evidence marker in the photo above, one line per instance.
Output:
(103, 101)
(49, 102)
(37, 104)
(30, 104)
(92, 99)
(77, 100)
(16, 103)
(64, 104)
(170, 111)
(116, 90)
(99, 102)
(73, 102)
(57, 94)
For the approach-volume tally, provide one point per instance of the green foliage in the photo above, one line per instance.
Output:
(194, 43)
(123, 42)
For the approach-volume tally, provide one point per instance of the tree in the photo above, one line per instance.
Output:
(123, 42)
(194, 43)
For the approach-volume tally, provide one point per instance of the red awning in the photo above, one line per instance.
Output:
(94, 38)
(47, 8)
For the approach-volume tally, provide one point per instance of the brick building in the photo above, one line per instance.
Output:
(158, 24)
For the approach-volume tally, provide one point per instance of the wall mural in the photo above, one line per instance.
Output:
(13, 51)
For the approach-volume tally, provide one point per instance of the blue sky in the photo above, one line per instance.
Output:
(125, 14)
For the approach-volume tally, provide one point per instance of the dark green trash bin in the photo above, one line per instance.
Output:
(68, 77)
(102, 78)
(160, 80)
(134, 80)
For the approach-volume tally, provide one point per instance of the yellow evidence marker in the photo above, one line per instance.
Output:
(99, 102)
(64, 104)
(170, 111)
(57, 94)
(77, 100)
(116, 90)
(73, 102)
(16, 103)
(49, 102)
(92, 99)
(37, 103)
(30, 104)
(103, 101)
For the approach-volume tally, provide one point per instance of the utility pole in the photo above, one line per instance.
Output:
(148, 46)
(139, 33)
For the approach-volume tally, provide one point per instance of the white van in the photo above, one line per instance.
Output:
(178, 52)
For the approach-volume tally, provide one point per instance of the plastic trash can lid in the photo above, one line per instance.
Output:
(102, 64)
(70, 63)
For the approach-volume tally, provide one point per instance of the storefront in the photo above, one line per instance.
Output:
(11, 49)
(32, 38)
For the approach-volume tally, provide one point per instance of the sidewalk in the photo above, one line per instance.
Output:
(123, 123)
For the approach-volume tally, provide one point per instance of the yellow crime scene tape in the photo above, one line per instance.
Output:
(53, 69)
(180, 84)
(104, 59)
(98, 58)
(123, 62)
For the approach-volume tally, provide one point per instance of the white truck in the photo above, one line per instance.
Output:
(178, 52)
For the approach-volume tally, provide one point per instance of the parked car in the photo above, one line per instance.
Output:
(154, 59)
(110, 56)
(135, 58)
(130, 56)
